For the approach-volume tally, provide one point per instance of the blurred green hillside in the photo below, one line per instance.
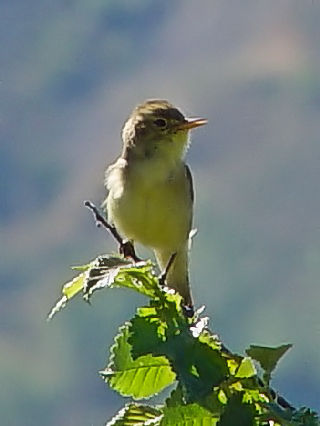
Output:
(71, 71)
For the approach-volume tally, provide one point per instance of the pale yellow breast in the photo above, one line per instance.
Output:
(151, 207)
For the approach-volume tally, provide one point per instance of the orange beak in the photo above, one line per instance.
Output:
(192, 123)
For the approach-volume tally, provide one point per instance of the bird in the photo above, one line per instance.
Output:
(150, 193)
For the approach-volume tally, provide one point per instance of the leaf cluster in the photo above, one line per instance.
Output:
(161, 347)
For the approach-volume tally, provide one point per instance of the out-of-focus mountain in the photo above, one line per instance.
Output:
(71, 71)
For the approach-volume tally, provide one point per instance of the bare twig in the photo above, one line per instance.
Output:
(126, 247)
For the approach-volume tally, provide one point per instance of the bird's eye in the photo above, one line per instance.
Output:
(160, 122)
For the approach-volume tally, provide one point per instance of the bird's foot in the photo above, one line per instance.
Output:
(126, 248)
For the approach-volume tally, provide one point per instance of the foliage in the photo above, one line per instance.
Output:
(161, 347)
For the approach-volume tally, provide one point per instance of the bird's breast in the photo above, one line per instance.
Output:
(151, 207)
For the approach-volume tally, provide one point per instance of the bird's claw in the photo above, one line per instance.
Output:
(127, 250)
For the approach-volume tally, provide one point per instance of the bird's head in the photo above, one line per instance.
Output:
(157, 129)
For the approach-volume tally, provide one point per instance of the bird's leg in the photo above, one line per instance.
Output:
(187, 309)
(163, 276)
(126, 247)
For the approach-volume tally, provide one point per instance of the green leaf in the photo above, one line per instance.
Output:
(73, 287)
(306, 417)
(69, 290)
(81, 267)
(153, 325)
(109, 271)
(136, 414)
(188, 415)
(246, 369)
(139, 378)
(114, 271)
(267, 357)
(237, 413)
(175, 398)
(146, 337)
(140, 278)
(210, 339)
(222, 397)
(254, 395)
(199, 367)
(162, 329)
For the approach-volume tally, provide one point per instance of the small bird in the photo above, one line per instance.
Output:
(150, 191)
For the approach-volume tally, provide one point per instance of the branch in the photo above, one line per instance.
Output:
(126, 247)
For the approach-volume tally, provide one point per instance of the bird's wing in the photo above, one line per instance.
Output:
(190, 182)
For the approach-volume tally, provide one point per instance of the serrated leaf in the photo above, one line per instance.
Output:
(137, 414)
(188, 415)
(109, 271)
(162, 329)
(153, 325)
(69, 290)
(199, 368)
(80, 282)
(112, 271)
(145, 337)
(74, 287)
(139, 278)
(246, 369)
(266, 356)
(139, 378)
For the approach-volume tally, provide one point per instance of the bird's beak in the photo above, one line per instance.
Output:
(191, 123)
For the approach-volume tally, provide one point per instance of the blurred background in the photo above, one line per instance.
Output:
(71, 71)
